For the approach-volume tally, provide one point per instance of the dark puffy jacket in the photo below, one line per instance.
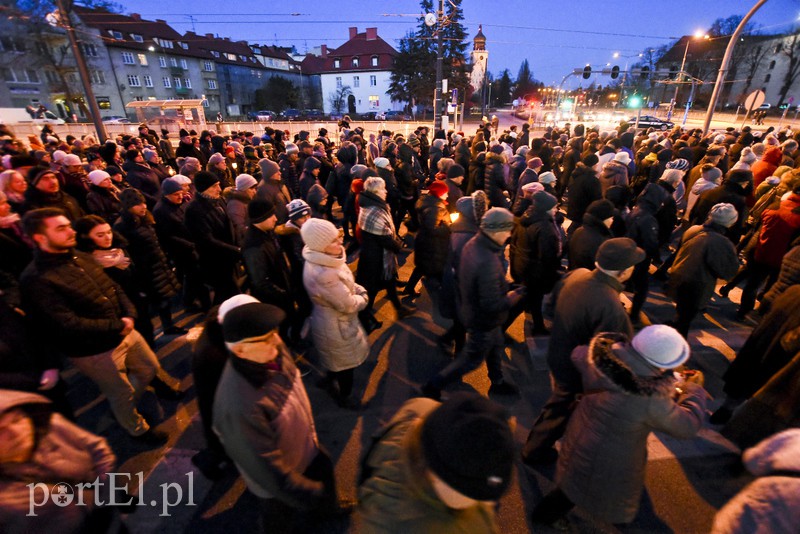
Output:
(73, 302)
(667, 214)
(153, 271)
(35, 199)
(476, 170)
(585, 241)
(430, 245)
(435, 154)
(642, 224)
(267, 269)
(142, 177)
(584, 188)
(536, 251)
(104, 203)
(729, 193)
(173, 235)
(213, 236)
(482, 285)
(289, 175)
(274, 191)
(406, 181)
(461, 232)
(495, 180)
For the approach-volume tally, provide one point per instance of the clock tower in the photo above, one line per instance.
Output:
(480, 58)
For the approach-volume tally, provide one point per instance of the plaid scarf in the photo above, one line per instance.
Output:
(374, 218)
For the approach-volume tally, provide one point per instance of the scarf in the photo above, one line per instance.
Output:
(374, 218)
(320, 258)
(9, 220)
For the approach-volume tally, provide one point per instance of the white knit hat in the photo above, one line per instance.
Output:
(724, 214)
(662, 346)
(215, 158)
(58, 155)
(244, 182)
(70, 159)
(97, 176)
(318, 234)
(382, 163)
(547, 177)
(233, 302)
(181, 179)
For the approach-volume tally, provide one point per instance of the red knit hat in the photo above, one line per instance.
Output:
(438, 188)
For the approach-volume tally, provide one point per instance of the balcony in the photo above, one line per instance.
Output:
(182, 90)
(176, 71)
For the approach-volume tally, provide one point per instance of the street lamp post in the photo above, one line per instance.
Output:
(437, 106)
(697, 35)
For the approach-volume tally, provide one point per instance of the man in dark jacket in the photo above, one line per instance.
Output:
(44, 191)
(289, 173)
(587, 304)
(264, 419)
(584, 188)
(273, 189)
(536, 255)
(89, 319)
(643, 229)
(495, 178)
(595, 230)
(485, 301)
(186, 148)
(705, 255)
(213, 236)
(734, 190)
(142, 177)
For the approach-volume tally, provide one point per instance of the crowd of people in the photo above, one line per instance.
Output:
(101, 244)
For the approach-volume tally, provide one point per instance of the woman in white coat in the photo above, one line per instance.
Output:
(338, 336)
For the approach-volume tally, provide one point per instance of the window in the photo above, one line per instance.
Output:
(11, 45)
(33, 76)
(136, 37)
(184, 65)
(173, 62)
(167, 81)
(162, 62)
(772, 64)
(115, 34)
(243, 58)
(98, 77)
(127, 58)
(355, 62)
(187, 83)
(8, 74)
(373, 81)
(148, 81)
(89, 50)
(183, 45)
(52, 77)
(177, 83)
(212, 84)
(215, 53)
(767, 78)
(231, 57)
(356, 81)
(208, 66)
(142, 60)
(103, 102)
(374, 102)
(336, 64)
(338, 82)
(133, 81)
(374, 61)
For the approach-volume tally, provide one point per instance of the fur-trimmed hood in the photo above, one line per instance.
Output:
(621, 368)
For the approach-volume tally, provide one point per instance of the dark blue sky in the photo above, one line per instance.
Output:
(554, 36)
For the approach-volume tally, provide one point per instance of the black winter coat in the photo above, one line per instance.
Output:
(430, 245)
(642, 224)
(370, 273)
(584, 188)
(213, 236)
(15, 254)
(153, 272)
(667, 215)
(482, 286)
(35, 199)
(289, 175)
(267, 268)
(74, 302)
(103, 203)
(495, 181)
(729, 193)
(585, 241)
(185, 150)
(278, 194)
(173, 235)
(536, 252)
(476, 173)
(142, 177)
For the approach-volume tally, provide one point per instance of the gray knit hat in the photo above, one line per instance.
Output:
(497, 220)
(723, 214)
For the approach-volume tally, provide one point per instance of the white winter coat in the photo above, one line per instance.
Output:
(338, 336)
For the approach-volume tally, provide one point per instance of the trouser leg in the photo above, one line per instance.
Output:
(552, 420)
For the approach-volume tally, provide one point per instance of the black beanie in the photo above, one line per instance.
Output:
(601, 209)
(591, 160)
(455, 171)
(130, 197)
(468, 444)
(251, 321)
(259, 210)
(204, 180)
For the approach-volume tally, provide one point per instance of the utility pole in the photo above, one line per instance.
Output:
(437, 105)
(83, 72)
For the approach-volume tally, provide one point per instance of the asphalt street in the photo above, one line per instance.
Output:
(687, 481)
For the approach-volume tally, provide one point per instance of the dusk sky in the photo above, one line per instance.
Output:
(554, 36)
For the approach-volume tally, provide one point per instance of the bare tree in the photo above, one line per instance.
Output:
(790, 47)
(745, 63)
(338, 98)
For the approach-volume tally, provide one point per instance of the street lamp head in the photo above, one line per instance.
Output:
(699, 34)
(616, 55)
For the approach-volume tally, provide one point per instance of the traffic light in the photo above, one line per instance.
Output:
(614, 72)
(634, 102)
(587, 72)
(645, 72)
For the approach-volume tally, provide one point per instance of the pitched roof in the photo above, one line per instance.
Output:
(222, 50)
(360, 45)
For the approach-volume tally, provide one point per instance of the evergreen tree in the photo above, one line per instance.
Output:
(413, 76)
(525, 82)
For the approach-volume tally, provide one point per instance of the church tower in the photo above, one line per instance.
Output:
(480, 58)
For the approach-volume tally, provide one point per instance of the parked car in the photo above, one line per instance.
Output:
(313, 114)
(373, 116)
(116, 119)
(290, 114)
(263, 115)
(648, 121)
(397, 116)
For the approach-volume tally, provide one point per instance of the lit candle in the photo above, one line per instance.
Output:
(453, 217)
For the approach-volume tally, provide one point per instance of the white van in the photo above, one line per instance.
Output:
(21, 116)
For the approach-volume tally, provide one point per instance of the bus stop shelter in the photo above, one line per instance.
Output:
(188, 111)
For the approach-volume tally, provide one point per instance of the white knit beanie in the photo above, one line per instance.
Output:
(318, 234)
(97, 176)
(233, 302)
(724, 214)
(244, 182)
(662, 346)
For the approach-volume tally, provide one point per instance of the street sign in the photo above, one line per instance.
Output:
(754, 100)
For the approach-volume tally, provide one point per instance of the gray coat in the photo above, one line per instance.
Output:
(603, 456)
